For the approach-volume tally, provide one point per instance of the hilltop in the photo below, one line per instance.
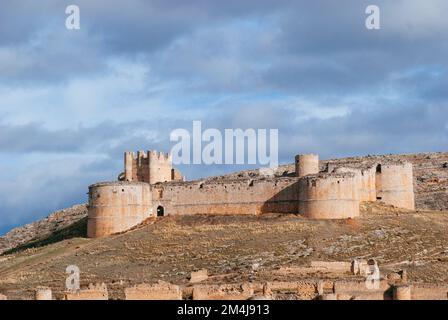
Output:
(169, 248)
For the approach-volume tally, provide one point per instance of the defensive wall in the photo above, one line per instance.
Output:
(243, 196)
(152, 187)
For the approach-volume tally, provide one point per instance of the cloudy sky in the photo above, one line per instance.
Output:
(71, 101)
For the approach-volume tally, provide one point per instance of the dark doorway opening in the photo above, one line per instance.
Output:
(160, 211)
(378, 168)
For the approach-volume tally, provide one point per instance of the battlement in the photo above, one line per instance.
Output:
(150, 154)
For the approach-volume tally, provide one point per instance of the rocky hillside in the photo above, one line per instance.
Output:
(57, 226)
(236, 249)
(430, 184)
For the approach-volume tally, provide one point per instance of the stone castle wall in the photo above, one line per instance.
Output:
(365, 179)
(243, 196)
(334, 194)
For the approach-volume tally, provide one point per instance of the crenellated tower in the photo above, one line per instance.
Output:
(150, 167)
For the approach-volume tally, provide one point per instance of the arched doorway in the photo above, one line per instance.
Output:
(378, 168)
(160, 211)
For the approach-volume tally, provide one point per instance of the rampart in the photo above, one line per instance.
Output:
(154, 188)
(244, 196)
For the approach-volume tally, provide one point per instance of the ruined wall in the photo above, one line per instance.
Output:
(43, 293)
(329, 196)
(358, 290)
(421, 291)
(394, 184)
(244, 196)
(150, 167)
(306, 164)
(430, 171)
(223, 292)
(116, 207)
(159, 291)
(176, 175)
(365, 178)
(92, 292)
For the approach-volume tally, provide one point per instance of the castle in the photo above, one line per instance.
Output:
(150, 187)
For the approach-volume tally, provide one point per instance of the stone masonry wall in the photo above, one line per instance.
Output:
(231, 197)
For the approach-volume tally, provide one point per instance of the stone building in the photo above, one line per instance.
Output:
(150, 187)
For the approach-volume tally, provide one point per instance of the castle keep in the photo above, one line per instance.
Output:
(150, 186)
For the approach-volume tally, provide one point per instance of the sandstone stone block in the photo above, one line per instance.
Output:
(199, 276)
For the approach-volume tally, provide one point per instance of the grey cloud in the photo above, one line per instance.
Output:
(232, 64)
(35, 138)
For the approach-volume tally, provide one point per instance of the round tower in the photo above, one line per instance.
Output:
(306, 164)
(365, 179)
(329, 196)
(395, 184)
(128, 164)
(117, 206)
